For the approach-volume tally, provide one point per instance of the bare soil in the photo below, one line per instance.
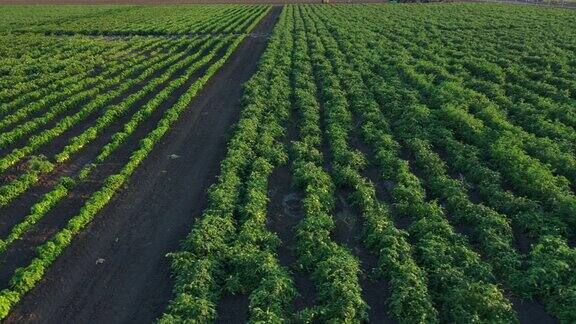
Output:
(285, 212)
(348, 232)
(232, 309)
(116, 270)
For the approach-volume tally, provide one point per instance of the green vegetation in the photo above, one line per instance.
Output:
(466, 112)
(132, 75)
(444, 133)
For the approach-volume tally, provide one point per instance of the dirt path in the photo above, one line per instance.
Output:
(116, 271)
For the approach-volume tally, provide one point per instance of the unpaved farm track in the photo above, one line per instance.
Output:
(116, 270)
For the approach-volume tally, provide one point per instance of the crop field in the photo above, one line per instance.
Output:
(84, 100)
(396, 163)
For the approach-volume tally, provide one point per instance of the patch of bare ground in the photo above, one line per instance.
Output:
(232, 309)
(531, 311)
(348, 231)
(284, 214)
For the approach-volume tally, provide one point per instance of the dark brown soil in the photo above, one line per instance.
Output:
(531, 312)
(285, 212)
(348, 232)
(232, 309)
(116, 270)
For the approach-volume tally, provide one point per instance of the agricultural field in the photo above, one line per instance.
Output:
(86, 94)
(396, 163)
(419, 155)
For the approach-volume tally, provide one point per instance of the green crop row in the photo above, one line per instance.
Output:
(410, 300)
(51, 198)
(332, 267)
(402, 74)
(11, 190)
(229, 249)
(129, 20)
(474, 148)
(36, 101)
